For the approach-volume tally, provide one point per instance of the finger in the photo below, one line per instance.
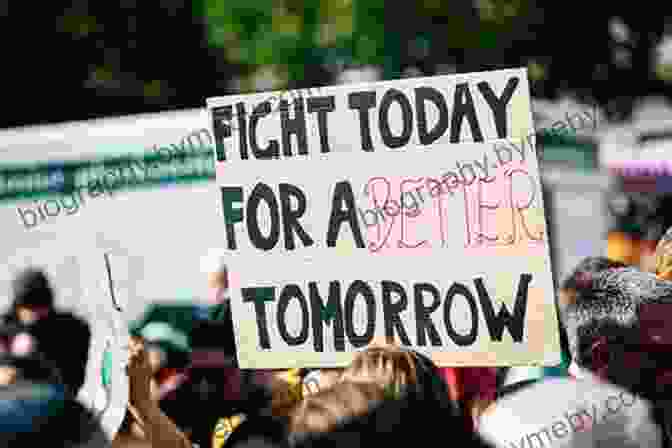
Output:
(136, 342)
(141, 356)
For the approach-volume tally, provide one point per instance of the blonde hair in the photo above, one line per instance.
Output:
(388, 367)
(286, 391)
(664, 258)
(328, 408)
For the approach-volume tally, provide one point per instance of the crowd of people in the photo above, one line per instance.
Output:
(612, 389)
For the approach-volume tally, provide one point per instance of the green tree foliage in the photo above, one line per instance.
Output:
(111, 58)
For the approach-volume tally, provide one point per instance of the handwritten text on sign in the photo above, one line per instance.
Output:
(467, 277)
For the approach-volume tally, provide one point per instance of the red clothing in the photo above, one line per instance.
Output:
(469, 383)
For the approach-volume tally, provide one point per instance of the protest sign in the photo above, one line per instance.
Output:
(81, 285)
(409, 209)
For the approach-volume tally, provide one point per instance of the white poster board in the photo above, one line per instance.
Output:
(410, 209)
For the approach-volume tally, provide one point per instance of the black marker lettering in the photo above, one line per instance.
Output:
(272, 151)
(515, 323)
(422, 313)
(290, 218)
(357, 288)
(423, 94)
(293, 126)
(290, 292)
(262, 192)
(363, 101)
(464, 106)
(343, 194)
(332, 312)
(461, 340)
(395, 141)
(498, 105)
(322, 105)
(259, 296)
(391, 311)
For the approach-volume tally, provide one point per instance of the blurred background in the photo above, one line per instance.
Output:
(95, 59)
(608, 187)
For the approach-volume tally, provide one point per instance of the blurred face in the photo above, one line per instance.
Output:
(218, 285)
(28, 315)
(8, 375)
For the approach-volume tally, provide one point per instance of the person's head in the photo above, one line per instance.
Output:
(33, 297)
(327, 409)
(619, 328)
(581, 277)
(358, 415)
(387, 366)
(215, 268)
(664, 256)
(166, 345)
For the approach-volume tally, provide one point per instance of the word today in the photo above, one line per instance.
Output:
(361, 103)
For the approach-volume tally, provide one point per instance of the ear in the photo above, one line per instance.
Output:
(600, 356)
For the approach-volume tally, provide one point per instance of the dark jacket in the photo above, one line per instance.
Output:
(432, 389)
(43, 415)
(395, 423)
(64, 339)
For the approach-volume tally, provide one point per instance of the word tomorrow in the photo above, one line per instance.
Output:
(339, 313)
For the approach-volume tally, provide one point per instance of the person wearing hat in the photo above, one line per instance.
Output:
(33, 308)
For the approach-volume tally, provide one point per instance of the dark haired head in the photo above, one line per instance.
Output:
(392, 421)
(32, 288)
(616, 327)
(584, 272)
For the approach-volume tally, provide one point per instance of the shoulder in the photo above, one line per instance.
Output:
(70, 323)
(560, 411)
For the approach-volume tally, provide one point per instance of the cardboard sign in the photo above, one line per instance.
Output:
(409, 209)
